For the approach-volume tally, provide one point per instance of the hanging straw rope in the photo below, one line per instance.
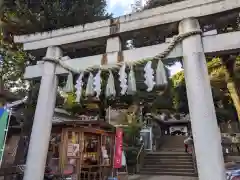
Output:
(108, 67)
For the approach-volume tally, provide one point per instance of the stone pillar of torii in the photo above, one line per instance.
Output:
(192, 49)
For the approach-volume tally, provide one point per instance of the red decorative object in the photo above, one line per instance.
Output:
(118, 148)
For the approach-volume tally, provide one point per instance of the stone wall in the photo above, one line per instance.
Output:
(232, 127)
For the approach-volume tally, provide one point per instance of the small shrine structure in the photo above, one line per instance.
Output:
(85, 143)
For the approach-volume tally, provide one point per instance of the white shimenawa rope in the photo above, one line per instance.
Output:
(108, 67)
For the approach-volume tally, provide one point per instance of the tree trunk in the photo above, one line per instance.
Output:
(237, 86)
(234, 95)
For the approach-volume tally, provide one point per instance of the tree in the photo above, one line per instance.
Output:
(155, 3)
(42, 15)
(13, 62)
(225, 70)
(225, 96)
(30, 16)
(137, 6)
(224, 74)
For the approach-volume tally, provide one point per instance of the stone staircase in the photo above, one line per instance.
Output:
(172, 142)
(170, 159)
(168, 163)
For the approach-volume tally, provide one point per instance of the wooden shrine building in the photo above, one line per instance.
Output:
(86, 143)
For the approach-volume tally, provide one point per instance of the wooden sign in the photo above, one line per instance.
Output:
(88, 118)
(70, 149)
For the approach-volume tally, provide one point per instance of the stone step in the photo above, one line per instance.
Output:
(174, 150)
(168, 154)
(176, 166)
(190, 170)
(168, 157)
(169, 173)
(167, 161)
(171, 163)
(174, 144)
(176, 154)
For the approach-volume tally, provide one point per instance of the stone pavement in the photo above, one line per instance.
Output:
(149, 177)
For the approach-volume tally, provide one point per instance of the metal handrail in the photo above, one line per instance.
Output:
(139, 152)
(194, 159)
(138, 156)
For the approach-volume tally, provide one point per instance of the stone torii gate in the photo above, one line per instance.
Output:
(192, 49)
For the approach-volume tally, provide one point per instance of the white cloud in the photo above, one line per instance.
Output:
(176, 68)
(126, 5)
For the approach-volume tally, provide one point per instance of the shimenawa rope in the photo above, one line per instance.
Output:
(108, 67)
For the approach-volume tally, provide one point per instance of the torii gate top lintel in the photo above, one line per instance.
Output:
(162, 15)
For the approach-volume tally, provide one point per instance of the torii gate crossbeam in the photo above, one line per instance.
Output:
(162, 15)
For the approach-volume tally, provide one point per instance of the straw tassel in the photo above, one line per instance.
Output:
(149, 76)
(78, 86)
(131, 82)
(89, 88)
(123, 79)
(110, 88)
(69, 87)
(97, 83)
(161, 77)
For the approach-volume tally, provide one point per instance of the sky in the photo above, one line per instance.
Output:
(122, 7)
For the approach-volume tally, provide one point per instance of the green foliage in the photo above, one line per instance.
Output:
(14, 60)
(131, 142)
(223, 103)
(215, 68)
(42, 15)
(155, 3)
(131, 134)
(131, 155)
(24, 17)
